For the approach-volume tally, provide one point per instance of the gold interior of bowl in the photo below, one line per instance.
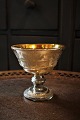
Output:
(37, 46)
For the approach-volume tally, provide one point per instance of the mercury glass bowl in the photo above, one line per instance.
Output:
(38, 59)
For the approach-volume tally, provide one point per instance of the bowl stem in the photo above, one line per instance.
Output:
(38, 92)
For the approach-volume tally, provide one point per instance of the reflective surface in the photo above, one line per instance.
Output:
(38, 59)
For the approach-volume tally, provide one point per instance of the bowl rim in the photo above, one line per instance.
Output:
(54, 46)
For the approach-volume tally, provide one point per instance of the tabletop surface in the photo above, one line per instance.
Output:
(65, 104)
